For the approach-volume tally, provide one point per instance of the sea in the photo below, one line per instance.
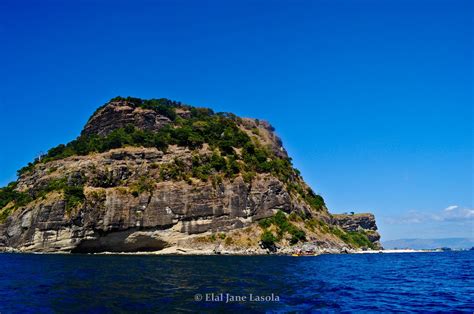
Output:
(398, 282)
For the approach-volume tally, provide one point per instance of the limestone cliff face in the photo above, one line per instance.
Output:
(130, 203)
(171, 209)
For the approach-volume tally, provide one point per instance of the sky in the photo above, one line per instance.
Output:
(372, 99)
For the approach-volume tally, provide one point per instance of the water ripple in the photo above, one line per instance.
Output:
(432, 282)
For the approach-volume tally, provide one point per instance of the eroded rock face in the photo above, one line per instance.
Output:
(266, 134)
(356, 221)
(359, 222)
(119, 114)
(130, 205)
(131, 240)
(112, 219)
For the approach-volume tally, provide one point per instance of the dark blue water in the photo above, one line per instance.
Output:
(333, 283)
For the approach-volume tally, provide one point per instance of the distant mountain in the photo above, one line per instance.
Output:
(419, 244)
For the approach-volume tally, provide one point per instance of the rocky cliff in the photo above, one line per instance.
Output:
(359, 223)
(156, 175)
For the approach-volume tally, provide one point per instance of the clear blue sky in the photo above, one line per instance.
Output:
(373, 99)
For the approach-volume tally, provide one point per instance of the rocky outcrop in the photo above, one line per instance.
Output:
(356, 222)
(359, 222)
(119, 114)
(266, 133)
(131, 200)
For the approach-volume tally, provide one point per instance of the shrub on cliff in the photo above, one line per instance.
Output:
(284, 226)
(143, 184)
(316, 201)
(268, 240)
(162, 106)
(73, 193)
(297, 235)
(265, 223)
(358, 239)
(73, 196)
(9, 194)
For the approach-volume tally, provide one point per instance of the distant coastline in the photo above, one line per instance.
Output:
(427, 244)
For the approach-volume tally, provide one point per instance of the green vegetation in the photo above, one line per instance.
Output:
(73, 196)
(265, 223)
(143, 184)
(316, 201)
(73, 192)
(10, 199)
(52, 185)
(358, 239)
(9, 194)
(162, 106)
(313, 224)
(294, 216)
(283, 225)
(4, 213)
(268, 239)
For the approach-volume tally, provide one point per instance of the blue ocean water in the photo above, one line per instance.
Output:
(330, 283)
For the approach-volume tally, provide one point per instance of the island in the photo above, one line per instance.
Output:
(161, 176)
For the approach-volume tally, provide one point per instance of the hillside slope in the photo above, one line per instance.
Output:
(157, 175)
